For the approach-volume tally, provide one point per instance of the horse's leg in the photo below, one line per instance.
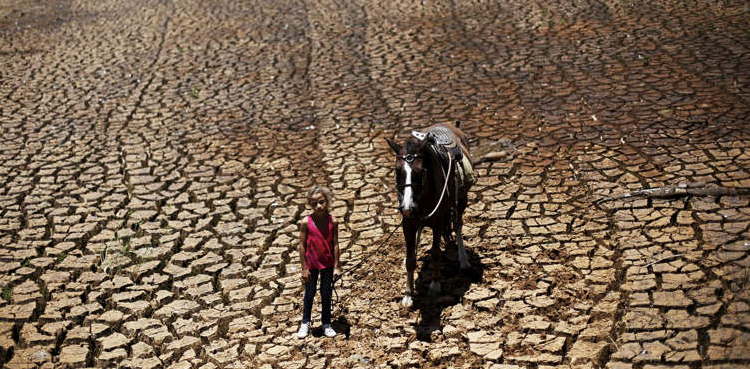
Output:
(447, 230)
(411, 235)
(435, 255)
(458, 225)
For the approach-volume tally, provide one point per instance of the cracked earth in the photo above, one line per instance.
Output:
(155, 155)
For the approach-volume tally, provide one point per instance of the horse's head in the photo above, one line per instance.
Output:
(411, 168)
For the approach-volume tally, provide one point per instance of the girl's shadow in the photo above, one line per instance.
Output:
(340, 325)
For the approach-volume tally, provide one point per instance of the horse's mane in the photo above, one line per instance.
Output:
(413, 145)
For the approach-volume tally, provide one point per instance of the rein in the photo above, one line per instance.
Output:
(407, 158)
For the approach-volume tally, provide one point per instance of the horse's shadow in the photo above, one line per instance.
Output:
(342, 326)
(454, 284)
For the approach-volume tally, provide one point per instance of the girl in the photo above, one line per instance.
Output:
(319, 256)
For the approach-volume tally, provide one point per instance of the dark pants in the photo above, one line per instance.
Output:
(326, 286)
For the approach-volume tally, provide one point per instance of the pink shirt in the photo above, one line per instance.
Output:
(319, 245)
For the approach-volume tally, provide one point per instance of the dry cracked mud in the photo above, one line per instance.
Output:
(155, 154)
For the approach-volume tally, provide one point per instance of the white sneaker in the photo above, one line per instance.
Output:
(304, 328)
(328, 331)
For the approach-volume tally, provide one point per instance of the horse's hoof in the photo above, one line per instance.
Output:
(407, 301)
(465, 265)
(434, 288)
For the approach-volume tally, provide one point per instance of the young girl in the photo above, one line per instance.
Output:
(319, 255)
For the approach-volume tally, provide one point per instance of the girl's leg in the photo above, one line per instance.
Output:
(326, 287)
(310, 287)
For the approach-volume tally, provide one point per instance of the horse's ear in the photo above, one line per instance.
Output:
(430, 139)
(396, 147)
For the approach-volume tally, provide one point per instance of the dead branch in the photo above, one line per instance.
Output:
(683, 189)
(663, 259)
(491, 156)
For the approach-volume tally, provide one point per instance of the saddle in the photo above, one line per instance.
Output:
(445, 146)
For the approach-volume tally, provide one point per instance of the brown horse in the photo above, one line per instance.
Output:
(434, 173)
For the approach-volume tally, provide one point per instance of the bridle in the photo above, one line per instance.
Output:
(409, 158)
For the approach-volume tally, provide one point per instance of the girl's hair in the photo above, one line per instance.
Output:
(320, 189)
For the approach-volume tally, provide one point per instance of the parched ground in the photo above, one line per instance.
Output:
(154, 157)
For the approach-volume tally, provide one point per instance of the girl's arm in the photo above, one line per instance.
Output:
(301, 248)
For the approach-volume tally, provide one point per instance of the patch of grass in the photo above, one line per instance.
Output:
(61, 256)
(126, 250)
(25, 262)
(7, 292)
(194, 93)
(139, 232)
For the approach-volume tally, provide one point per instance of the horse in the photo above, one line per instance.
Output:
(434, 172)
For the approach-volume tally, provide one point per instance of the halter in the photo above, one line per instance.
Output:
(410, 158)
